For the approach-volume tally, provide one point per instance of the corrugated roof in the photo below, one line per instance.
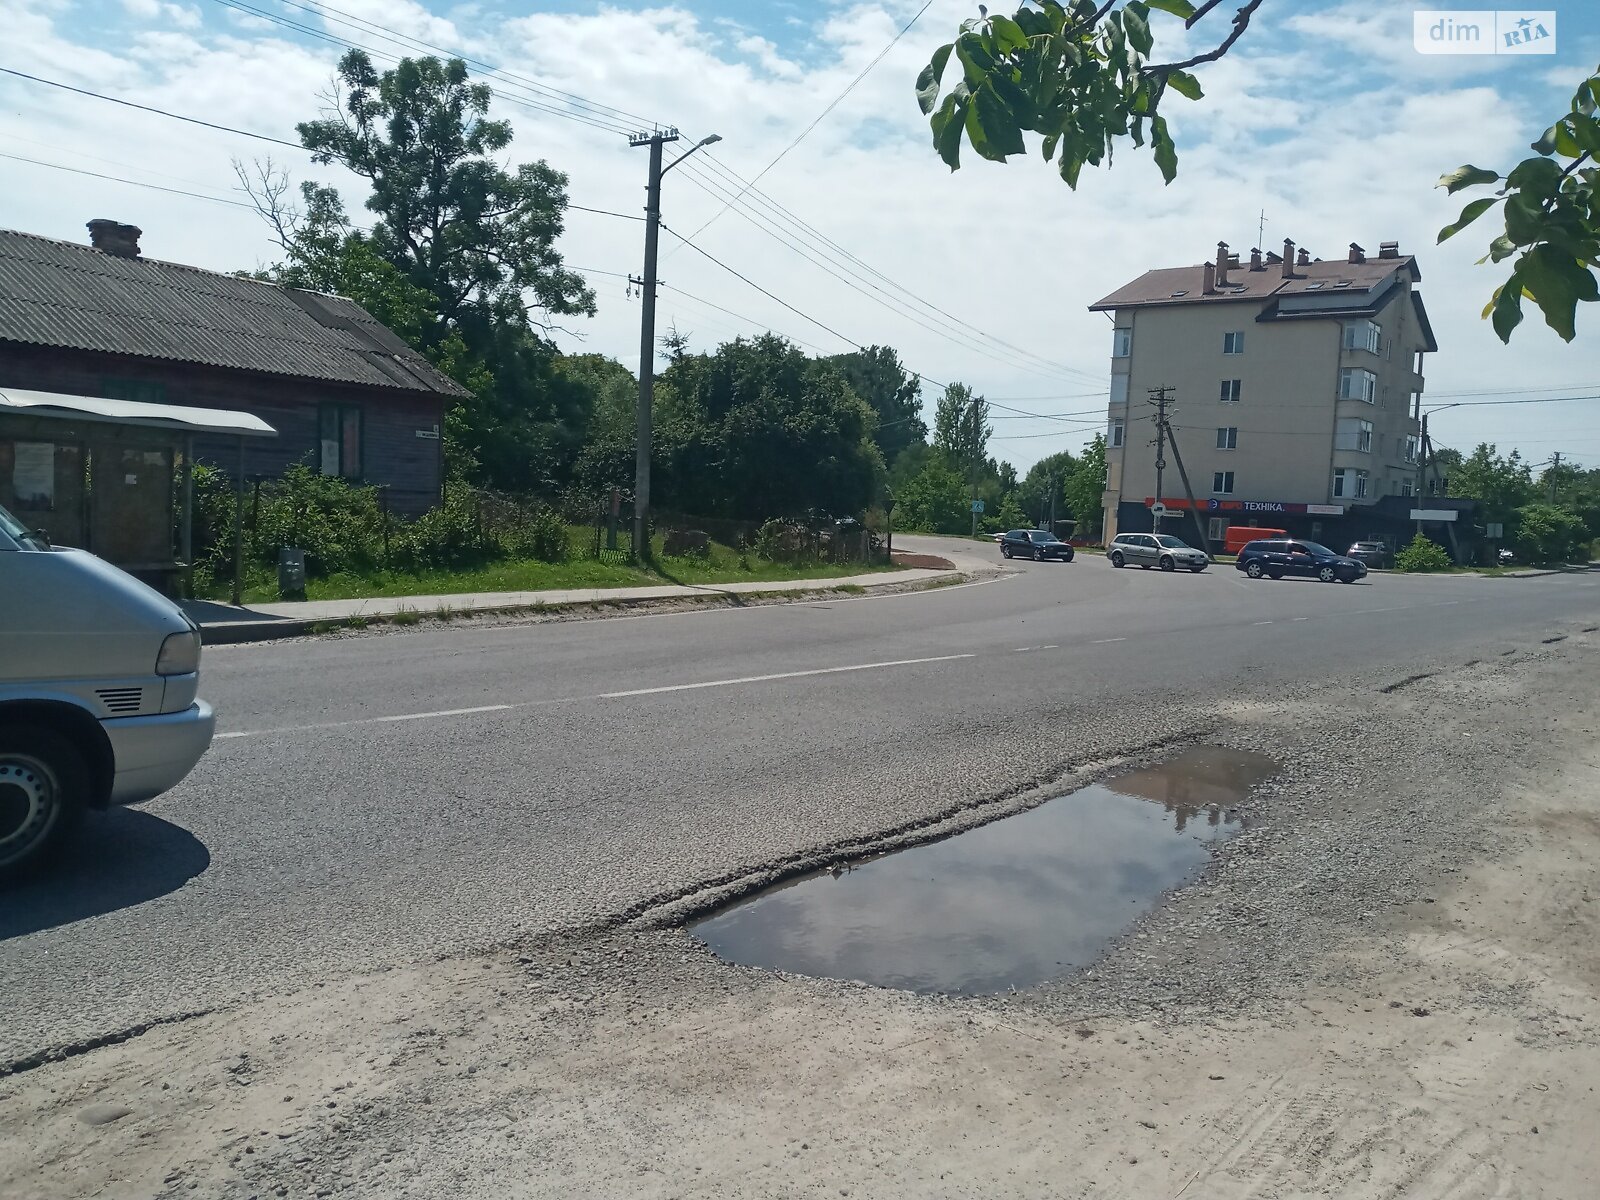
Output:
(133, 412)
(71, 296)
(1185, 285)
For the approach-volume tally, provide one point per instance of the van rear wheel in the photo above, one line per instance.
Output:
(43, 783)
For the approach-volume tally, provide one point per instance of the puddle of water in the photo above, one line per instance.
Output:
(1008, 904)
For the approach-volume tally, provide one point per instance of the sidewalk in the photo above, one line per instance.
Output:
(221, 623)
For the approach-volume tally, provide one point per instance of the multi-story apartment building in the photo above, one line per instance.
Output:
(1295, 392)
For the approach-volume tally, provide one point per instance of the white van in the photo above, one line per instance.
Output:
(98, 675)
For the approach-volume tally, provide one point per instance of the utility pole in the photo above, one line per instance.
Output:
(1555, 465)
(1164, 437)
(647, 328)
(1160, 397)
(1422, 465)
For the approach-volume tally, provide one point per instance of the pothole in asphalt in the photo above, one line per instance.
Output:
(1016, 902)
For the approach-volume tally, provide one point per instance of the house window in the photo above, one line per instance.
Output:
(1349, 483)
(1233, 343)
(1119, 389)
(1227, 437)
(1407, 487)
(1363, 335)
(340, 438)
(1222, 483)
(1356, 384)
(1115, 438)
(1216, 529)
(1353, 434)
(1230, 391)
(1121, 343)
(1411, 448)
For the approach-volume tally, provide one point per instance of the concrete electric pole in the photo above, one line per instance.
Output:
(647, 328)
(1160, 397)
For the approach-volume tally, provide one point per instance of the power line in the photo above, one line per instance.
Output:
(134, 182)
(160, 112)
(834, 103)
(606, 212)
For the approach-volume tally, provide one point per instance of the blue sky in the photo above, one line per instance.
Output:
(1324, 116)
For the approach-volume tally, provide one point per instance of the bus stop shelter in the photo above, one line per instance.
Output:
(115, 477)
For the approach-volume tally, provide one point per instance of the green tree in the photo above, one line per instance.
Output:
(894, 394)
(1046, 481)
(1082, 75)
(1500, 484)
(1422, 555)
(934, 501)
(961, 430)
(758, 429)
(1548, 534)
(1084, 487)
(607, 457)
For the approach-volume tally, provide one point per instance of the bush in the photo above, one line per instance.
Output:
(542, 535)
(446, 538)
(783, 541)
(1548, 534)
(1422, 555)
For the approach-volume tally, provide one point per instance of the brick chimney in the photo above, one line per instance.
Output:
(1388, 249)
(1304, 258)
(113, 237)
(1255, 259)
(1357, 254)
(1222, 264)
(1288, 258)
(1208, 278)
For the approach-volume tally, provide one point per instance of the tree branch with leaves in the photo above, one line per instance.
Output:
(1551, 211)
(1078, 74)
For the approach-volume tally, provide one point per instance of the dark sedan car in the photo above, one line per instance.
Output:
(1035, 544)
(1374, 554)
(1293, 556)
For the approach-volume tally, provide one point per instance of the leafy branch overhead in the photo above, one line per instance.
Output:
(1552, 220)
(1077, 73)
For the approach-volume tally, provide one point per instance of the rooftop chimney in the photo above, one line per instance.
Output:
(113, 237)
(1357, 254)
(1208, 278)
(1304, 258)
(1388, 249)
(1273, 258)
(1288, 258)
(1255, 259)
(1222, 264)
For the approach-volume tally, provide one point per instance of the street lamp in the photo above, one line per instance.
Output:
(647, 328)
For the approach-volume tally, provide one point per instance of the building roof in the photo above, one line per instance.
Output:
(177, 417)
(1186, 285)
(74, 297)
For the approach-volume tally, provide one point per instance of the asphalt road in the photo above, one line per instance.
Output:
(388, 798)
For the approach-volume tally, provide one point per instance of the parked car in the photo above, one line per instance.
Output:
(1155, 550)
(1035, 544)
(1374, 554)
(99, 677)
(1293, 556)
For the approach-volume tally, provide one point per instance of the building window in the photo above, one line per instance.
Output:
(1349, 483)
(1233, 343)
(1407, 487)
(1216, 529)
(1115, 438)
(340, 426)
(1353, 434)
(1121, 343)
(1119, 389)
(1411, 448)
(1227, 437)
(1356, 384)
(1230, 391)
(1222, 483)
(1363, 335)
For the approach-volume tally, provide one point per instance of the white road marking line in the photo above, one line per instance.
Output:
(422, 716)
(712, 683)
(1300, 618)
(1107, 641)
(1052, 646)
(1263, 622)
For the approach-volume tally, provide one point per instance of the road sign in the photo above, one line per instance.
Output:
(977, 506)
(1158, 509)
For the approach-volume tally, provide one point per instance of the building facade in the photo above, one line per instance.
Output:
(1294, 387)
(346, 395)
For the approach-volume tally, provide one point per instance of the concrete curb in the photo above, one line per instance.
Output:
(232, 633)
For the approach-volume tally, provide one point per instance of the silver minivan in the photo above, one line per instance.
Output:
(98, 683)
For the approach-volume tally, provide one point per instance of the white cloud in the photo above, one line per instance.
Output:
(1332, 154)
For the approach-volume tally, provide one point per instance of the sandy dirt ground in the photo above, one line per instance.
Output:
(1388, 988)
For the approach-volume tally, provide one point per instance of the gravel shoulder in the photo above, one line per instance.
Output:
(1387, 986)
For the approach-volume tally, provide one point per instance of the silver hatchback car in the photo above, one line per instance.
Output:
(1155, 550)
